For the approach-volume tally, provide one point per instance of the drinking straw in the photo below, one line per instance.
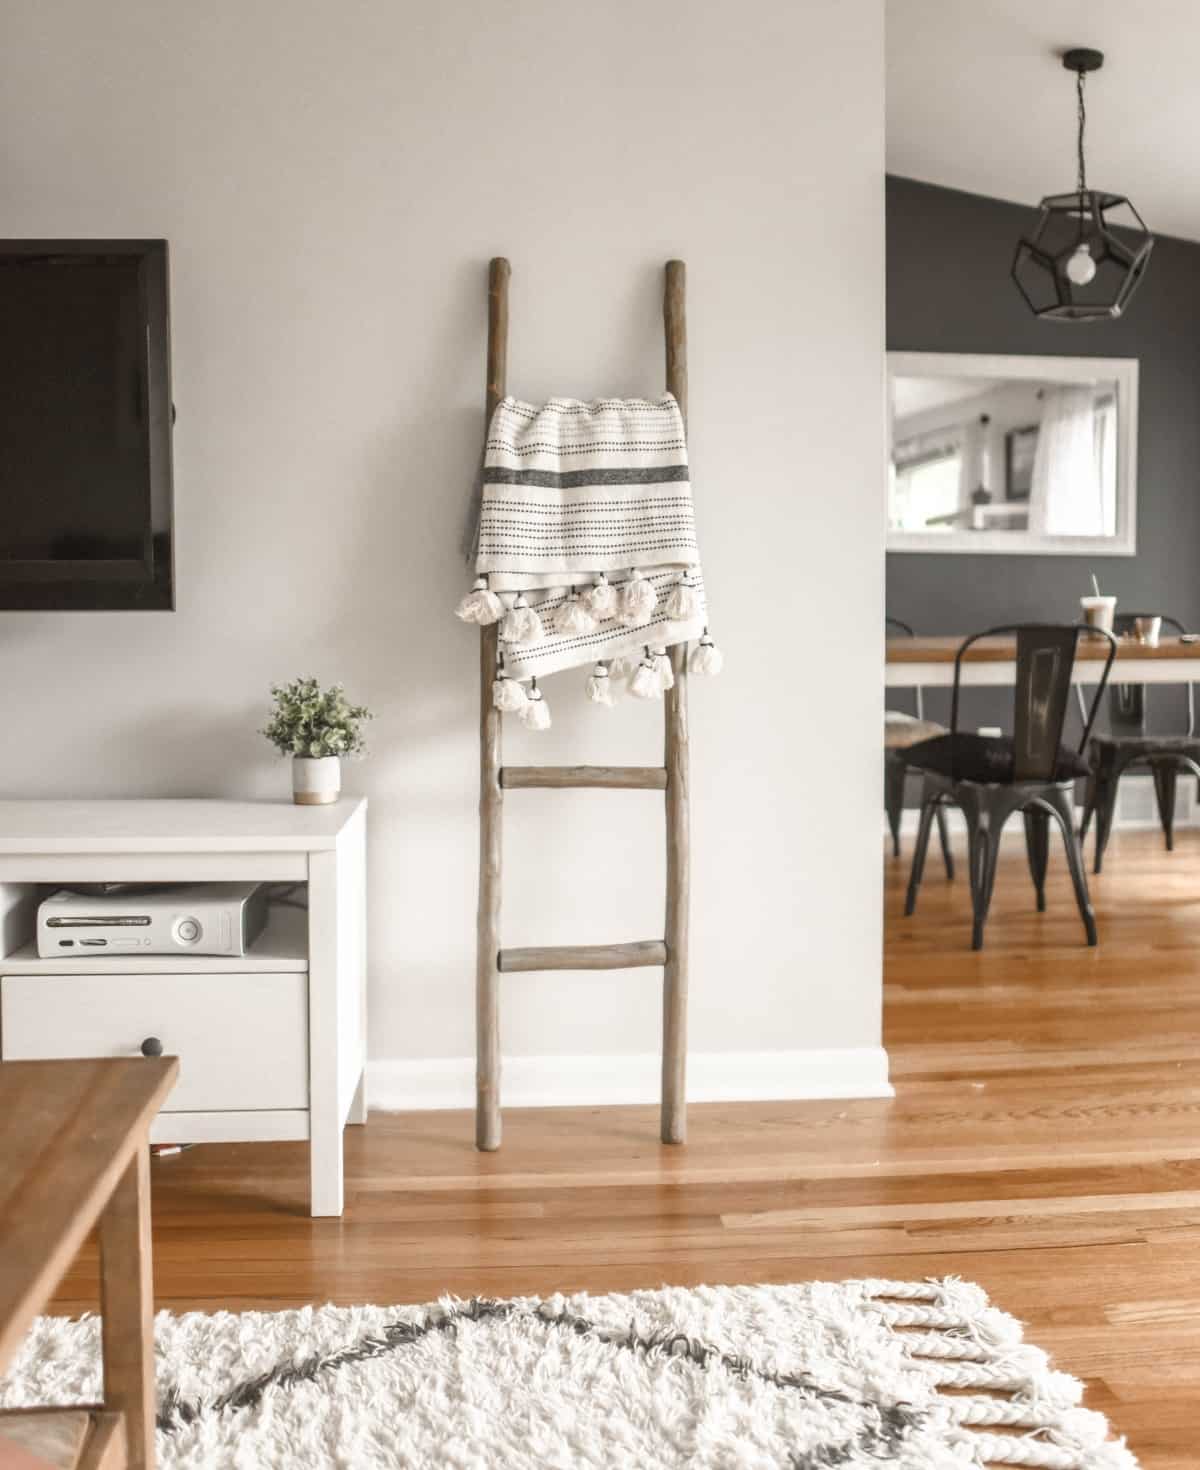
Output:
(1095, 585)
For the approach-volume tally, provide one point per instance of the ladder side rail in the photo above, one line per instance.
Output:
(491, 798)
(675, 746)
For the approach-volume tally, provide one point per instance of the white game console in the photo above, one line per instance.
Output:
(187, 918)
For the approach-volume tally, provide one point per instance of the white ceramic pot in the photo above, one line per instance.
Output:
(316, 781)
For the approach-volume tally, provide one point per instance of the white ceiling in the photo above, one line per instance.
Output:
(978, 100)
(913, 395)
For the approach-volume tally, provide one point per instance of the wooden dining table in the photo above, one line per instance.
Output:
(929, 662)
(75, 1153)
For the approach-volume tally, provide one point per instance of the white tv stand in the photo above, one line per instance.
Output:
(271, 1045)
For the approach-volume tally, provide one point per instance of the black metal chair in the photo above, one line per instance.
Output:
(900, 731)
(1127, 744)
(990, 778)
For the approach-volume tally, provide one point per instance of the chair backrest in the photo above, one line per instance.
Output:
(1127, 703)
(1045, 656)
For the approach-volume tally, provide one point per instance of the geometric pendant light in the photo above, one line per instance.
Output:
(1088, 251)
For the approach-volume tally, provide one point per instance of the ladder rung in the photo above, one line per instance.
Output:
(585, 956)
(629, 778)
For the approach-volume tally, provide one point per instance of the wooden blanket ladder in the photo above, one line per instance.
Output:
(495, 778)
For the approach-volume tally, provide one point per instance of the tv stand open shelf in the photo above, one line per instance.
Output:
(272, 1044)
(282, 948)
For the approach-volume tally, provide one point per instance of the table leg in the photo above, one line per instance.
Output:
(127, 1305)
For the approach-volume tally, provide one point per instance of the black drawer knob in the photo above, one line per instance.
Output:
(152, 1047)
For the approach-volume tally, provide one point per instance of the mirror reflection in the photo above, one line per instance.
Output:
(980, 458)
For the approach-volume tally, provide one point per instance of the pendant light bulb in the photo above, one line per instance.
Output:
(1081, 268)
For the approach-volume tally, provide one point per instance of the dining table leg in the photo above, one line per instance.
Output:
(127, 1307)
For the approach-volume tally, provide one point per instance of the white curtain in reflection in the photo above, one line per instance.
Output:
(1066, 497)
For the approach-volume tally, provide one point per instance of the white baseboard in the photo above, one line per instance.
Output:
(397, 1085)
(1136, 809)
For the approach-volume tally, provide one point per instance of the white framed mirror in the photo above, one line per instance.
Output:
(1015, 455)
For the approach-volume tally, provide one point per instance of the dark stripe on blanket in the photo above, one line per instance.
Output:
(664, 474)
(507, 550)
(592, 446)
(650, 504)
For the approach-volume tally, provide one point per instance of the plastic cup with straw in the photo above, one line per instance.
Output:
(1099, 609)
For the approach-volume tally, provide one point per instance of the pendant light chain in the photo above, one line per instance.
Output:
(1081, 166)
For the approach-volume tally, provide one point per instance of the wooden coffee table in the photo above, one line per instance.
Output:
(74, 1150)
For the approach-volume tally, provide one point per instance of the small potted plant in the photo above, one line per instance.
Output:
(316, 727)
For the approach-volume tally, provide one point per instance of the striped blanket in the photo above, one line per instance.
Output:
(577, 495)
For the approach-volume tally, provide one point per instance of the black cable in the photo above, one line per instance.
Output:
(1081, 114)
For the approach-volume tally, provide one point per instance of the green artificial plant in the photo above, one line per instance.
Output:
(310, 721)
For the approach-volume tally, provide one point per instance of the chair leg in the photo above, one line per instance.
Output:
(1165, 775)
(944, 838)
(986, 813)
(1089, 803)
(987, 851)
(1037, 845)
(1061, 808)
(894, 772)
(1106, 805)
(928, 807)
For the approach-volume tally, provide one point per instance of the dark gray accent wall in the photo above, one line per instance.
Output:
(948, 290)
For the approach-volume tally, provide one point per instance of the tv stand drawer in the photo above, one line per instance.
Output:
(241, 1039)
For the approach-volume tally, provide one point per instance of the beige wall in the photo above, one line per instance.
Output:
(332, 179)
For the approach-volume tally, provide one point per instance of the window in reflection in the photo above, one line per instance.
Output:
(977, 454)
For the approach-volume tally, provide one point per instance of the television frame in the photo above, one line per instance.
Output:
(89, 585)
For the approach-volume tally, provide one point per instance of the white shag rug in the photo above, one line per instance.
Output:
(921, 1376)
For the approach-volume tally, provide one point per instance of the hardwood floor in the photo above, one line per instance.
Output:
(1044, 1141)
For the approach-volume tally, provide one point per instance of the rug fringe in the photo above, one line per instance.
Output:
(955, 1338)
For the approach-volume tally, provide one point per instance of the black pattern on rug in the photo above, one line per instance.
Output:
(881, 1439)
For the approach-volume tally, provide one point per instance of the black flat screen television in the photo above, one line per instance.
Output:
(85, 425)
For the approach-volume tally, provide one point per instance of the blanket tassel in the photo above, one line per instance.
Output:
(536, 713)
(638, 601)
(601, 599)
(521, 623)
(599, 685)
(662, 667)
(646, 682)
(508, 694)
(706, 657)
(682, 602)
(480, 605)
(574, 616)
